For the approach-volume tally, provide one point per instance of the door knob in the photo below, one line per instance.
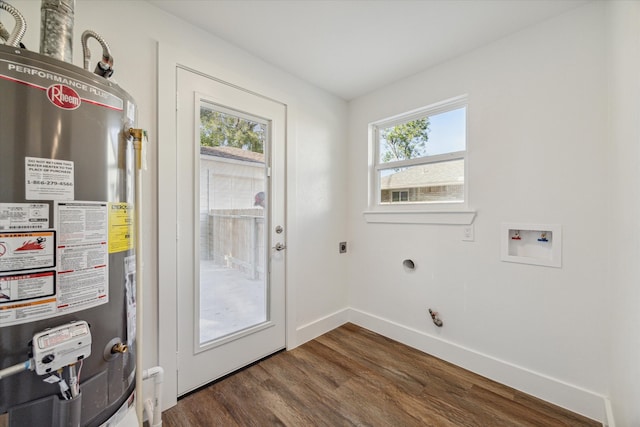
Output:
(279, 246)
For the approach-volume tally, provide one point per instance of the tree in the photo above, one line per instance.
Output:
(405, 141)
(224, 130)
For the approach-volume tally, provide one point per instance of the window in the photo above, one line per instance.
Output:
(419, 157)
(400, 196)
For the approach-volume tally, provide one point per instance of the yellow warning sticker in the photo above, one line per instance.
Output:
(120, 227)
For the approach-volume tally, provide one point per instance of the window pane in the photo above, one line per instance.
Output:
(233, 196)
(437, 134)
(433, 182)
(220, 129)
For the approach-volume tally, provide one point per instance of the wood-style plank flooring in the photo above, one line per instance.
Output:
(354, 377)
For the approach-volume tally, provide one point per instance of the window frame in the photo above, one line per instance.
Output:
(376, 166)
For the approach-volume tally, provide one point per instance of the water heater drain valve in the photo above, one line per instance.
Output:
(63, 345)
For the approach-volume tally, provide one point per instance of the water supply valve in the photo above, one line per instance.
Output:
(55, 348)
(435, 318)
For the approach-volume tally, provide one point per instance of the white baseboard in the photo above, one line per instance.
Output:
(571, 397)
(610, 421)
(320, 326)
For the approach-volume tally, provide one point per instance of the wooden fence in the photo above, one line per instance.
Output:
(234, 238)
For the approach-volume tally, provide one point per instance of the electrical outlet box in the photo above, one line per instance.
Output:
(342, 247)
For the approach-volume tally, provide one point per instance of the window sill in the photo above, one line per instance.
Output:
(420, 217)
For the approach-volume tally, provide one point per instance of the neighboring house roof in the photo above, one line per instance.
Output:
(233, 153)
(430, 175)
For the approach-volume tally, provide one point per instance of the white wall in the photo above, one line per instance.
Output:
(539, 151)
(537, 126)
(625, 225)
(316, 178)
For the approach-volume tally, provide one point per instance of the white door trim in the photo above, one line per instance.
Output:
(169, 59)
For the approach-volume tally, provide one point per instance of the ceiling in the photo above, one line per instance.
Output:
(352, 47)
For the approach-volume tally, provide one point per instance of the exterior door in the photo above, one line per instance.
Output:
(231, 230)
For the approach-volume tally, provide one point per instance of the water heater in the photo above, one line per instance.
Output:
(67, 247)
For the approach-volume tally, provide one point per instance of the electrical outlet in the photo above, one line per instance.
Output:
(342, 247)
(468, 233)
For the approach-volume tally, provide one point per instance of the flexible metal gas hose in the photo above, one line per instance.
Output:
(4, 34)
(21, 25)
(103, 67)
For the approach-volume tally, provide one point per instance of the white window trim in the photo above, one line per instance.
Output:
(416, 213)
(420, 217)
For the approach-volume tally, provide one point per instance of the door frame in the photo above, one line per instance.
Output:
(170, 59)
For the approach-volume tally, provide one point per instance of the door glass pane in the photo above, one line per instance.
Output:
(233, 197)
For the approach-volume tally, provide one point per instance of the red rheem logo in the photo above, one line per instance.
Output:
(63, 97)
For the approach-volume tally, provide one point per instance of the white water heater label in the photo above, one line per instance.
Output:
(83, 256)
(27, 297)
(48, 179)
(24, 216)
(130, 292)
(27, 251)
(21, 287)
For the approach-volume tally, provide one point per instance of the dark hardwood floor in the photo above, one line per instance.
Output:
(354, 377)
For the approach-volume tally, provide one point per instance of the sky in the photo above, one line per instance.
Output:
(447, 132)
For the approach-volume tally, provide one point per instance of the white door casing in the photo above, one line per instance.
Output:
(162, 318)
